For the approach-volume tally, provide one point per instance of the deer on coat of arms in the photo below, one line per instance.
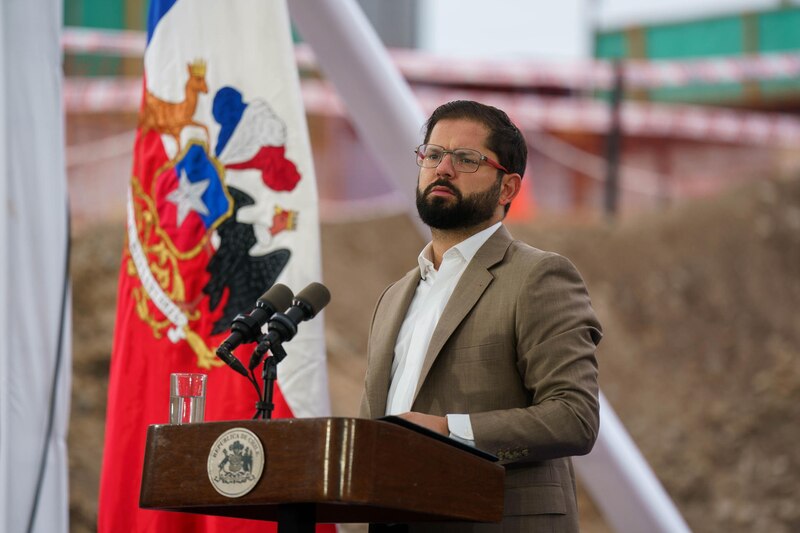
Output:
(170, 118)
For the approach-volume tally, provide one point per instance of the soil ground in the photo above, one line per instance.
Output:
(700, 359)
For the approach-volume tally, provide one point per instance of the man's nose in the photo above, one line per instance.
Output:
(445, 168)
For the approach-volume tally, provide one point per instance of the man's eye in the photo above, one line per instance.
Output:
(466, 158)
(433, 156)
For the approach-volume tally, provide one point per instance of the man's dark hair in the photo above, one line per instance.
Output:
(504, 138)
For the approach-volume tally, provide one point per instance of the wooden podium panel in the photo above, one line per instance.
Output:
(337, 469)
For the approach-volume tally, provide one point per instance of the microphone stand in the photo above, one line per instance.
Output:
(269, 374)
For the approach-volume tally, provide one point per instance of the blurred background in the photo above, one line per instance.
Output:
(664, 143)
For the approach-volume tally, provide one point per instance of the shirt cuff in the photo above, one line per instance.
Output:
(460, 429)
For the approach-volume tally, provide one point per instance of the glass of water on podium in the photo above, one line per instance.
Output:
(187, 398)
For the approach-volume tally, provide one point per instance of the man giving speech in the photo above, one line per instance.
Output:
(488, 340)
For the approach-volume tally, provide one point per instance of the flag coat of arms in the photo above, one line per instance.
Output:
(222, 204)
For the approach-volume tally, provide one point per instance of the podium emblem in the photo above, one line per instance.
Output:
(235, 462)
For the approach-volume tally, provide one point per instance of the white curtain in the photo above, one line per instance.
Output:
(35, 363)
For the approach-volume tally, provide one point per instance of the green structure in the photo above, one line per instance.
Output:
(767, 32)
(106, 15)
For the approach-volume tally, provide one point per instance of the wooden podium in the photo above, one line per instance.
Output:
(328, 470)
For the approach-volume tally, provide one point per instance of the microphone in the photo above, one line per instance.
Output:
(283, 326)
(246, 328)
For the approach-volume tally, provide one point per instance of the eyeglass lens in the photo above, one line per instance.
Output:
(464, 159)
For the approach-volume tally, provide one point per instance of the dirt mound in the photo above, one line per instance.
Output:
(700, 358)
(699, 305)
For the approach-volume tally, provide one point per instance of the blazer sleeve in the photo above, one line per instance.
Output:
(556, 334)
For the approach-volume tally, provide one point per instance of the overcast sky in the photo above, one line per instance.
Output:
(557, 30)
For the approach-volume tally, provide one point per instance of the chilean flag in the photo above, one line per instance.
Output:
(222, 204)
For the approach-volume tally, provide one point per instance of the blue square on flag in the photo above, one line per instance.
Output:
(191, 199)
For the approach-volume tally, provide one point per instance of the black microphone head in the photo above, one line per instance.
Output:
(315, 296)
(277, 298)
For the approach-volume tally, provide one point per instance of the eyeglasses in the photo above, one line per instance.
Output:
(464, 159)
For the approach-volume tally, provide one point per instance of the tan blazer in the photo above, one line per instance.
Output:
(514, 349)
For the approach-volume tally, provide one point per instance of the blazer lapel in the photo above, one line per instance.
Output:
(466, 294)
(397, 300)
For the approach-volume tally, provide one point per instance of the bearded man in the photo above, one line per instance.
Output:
(488, 340)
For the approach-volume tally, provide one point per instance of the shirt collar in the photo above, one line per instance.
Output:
(466, 248)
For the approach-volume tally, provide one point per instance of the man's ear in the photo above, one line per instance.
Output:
(512, 184)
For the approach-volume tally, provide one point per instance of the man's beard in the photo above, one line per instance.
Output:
(460, 212)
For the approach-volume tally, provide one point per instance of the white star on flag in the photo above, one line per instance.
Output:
(188, 197)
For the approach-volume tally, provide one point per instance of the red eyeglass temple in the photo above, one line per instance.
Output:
(495, 164)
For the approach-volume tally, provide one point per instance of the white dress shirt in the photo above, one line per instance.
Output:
(433, 292)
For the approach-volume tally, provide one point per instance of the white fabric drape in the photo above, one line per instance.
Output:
(33, 245)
